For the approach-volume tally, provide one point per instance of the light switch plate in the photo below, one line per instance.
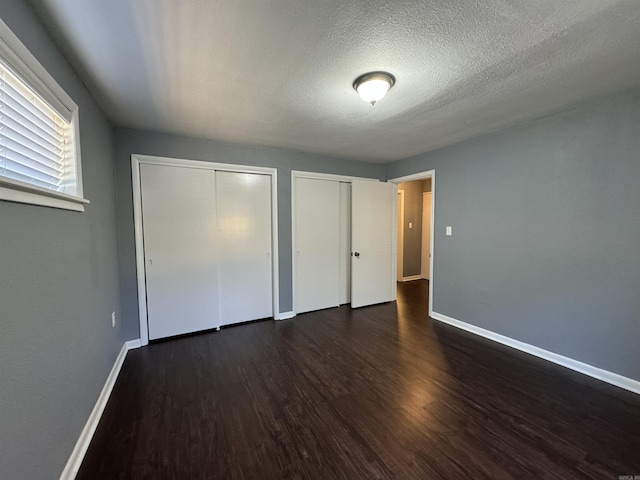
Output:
(448, 231)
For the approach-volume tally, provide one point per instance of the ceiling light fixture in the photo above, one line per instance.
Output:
(373, 86)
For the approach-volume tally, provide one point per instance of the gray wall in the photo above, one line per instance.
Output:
(132, 141)
(58, 287)
(546, 232)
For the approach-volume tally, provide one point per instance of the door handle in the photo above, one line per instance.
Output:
(357, 254)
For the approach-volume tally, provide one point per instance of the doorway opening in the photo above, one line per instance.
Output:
(416, 206)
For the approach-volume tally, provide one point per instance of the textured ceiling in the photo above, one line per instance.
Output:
(280, 72)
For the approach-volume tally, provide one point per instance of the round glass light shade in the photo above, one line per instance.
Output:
(371, 87)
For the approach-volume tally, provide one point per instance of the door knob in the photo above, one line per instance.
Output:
(357, 254)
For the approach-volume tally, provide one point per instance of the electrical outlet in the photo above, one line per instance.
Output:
(113, 319)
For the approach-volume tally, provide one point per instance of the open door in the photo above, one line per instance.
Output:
(373, 227)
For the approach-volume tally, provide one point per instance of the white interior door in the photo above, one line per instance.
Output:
(243, 203)
(317, 244)
(426, 236)
(179, 248)
(373, 232)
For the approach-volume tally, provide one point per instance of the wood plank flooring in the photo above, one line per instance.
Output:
(379, 392)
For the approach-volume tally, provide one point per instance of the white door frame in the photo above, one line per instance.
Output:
(318, 176)
(136, 161)
(423, 176)
(400, 238)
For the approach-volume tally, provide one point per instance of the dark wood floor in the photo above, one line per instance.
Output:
(374, 393)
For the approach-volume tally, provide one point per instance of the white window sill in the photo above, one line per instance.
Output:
(14, 191)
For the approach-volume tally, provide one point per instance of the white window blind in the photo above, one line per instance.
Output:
(39, 132)
(36, 144)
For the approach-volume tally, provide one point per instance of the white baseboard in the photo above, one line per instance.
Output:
(285, 315)
(133, 344)
(411, 278)
(79, 451)
(595, 372)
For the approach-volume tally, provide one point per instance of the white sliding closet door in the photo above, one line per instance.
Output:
(317, 244)
(345, 243)
(243, 202)
(373, 230)
(180, 249)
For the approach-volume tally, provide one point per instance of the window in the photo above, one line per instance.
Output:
(39, 146)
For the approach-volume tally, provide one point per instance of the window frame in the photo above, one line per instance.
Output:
(21, 61)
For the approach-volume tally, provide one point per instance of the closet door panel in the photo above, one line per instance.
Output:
(345, 243)
(317, 244)
(180, 249)
(243, 202)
